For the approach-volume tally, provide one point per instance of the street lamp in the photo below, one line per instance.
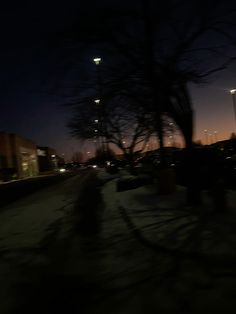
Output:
(216, 137)
(233, 91)
(97, 101)
(97, 60)
(172, 135)
(210, 137)
(206, 137)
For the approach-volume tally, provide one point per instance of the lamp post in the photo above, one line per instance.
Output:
(172, 136)
(97, 60)
(216, 136)
(210, 138)
(99, 101)
(206, 137)
(233, 91)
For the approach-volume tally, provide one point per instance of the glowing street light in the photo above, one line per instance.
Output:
(96, 121)
(216, 137)
(233, 91)
(210, 137)
(97, 60)
(172, 137)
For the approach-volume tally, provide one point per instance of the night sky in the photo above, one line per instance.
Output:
(30, 105)
(29, 98)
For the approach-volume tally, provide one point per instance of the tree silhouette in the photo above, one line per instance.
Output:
(154, 51)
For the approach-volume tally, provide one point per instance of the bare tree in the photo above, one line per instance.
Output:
(126, 127)
(154, 51)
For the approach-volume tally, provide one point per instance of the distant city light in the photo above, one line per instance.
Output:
(97, 101)
(96, 121)
(95, 130)
(53, 156)
(62, 170)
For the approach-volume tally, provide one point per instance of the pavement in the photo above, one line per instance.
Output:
(165, 257)
(29, 231)
(17, 189)
(121, 253)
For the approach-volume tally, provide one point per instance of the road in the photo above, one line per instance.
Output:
(27, 229)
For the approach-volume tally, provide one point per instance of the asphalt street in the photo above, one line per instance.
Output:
(29, 230)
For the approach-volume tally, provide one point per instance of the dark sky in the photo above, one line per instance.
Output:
(30, 70)
(29, 105)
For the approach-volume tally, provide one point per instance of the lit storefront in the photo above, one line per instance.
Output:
(18, 157)
(29, 165)
(47, 159)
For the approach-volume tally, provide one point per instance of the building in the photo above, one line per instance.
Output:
(6, 160)
(18, 156)
(47, 159)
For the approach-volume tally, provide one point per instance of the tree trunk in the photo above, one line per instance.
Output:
(193, 196)
(130, 159)
(160, 132)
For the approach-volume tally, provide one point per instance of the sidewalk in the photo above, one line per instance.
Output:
(122, 268)
(167, 222)
(143, 278)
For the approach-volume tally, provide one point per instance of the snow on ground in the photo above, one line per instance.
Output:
(142, 280)
(112, 270)
(166, 220)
